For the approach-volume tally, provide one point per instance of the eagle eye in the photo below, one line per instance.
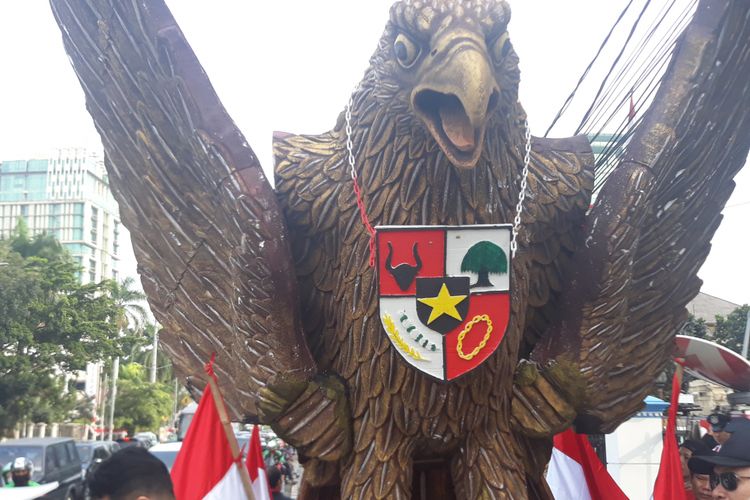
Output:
(406, 51)
(500, 48)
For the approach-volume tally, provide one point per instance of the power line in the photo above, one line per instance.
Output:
(635, 74)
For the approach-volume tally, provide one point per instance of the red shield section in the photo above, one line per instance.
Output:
(489, 311)
(400, 246)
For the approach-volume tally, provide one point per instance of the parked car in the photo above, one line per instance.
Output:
(167, 452)
(149, 439)
(54, 459)
(93, 453)
(183, 420)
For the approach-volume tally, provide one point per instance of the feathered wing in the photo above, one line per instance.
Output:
(207, 231)
(651, 227)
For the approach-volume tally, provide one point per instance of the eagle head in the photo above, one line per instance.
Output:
(450, 66)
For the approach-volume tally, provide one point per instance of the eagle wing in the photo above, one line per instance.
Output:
(207, 231)
(650, 229)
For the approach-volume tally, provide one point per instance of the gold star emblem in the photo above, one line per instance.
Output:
(444, 303)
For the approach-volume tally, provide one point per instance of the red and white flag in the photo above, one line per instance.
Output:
(669, 483)
(576, 473)
(256, 467)
(206, 466)
(631, 109)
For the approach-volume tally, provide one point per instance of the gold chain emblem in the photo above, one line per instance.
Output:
(460, 345)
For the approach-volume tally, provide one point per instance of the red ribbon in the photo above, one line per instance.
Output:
(365, 220)
(209, 367)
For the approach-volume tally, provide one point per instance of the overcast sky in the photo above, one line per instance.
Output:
(290, 65)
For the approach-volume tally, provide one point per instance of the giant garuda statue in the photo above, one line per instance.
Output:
(571, 328)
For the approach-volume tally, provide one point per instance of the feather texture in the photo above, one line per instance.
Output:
(279, 282)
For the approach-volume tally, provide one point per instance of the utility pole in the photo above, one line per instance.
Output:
(103, 406)
(747, 335)
(176, 393)
(113, 397)
(152, 378)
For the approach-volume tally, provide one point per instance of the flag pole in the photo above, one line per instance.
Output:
(227, 424)
(668, 484)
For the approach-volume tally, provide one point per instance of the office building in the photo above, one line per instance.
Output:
(66, 195)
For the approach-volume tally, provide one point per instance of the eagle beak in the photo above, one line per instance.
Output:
(456, 93)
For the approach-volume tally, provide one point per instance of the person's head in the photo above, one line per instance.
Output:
(131, 474)
(709, 441)
(687, 450)
(730, 479)
(20, 471)
(737, 424)
(700, 474)
(274, 478)
(718, 421)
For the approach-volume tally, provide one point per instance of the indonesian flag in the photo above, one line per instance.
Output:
(669, 483)
(257, 468)
(576, 473)
(206, 467)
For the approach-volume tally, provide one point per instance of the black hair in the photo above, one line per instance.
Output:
(698, 466)
(695, 446)
(709, 441)
(274, 476)
(130, 471)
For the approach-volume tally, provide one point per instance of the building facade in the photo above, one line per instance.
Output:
(66, 195)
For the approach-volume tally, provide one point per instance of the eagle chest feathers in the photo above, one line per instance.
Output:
(407, 180)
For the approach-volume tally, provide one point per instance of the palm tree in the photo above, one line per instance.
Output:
(141, 354)
(131, 313)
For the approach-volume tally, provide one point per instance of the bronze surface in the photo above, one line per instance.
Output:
(279, 283)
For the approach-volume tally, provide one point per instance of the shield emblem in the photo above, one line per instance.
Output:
(444, 294)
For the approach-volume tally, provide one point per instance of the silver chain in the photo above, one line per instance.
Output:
(525, 174)
(522, 194)
(349, 144)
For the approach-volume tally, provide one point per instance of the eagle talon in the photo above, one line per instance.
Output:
(276, 398)
(285, 405)
(539, 407)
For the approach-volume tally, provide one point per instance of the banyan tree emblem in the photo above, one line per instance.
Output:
(444, 294)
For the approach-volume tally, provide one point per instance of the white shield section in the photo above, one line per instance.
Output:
(459, 241)
(420, 346)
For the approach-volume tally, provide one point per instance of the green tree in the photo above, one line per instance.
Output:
(730, 330)
(141, 406)
(484, 258)
(141, 350)
(43, 245)
(695, 327)
(50, 325)
(131, 313)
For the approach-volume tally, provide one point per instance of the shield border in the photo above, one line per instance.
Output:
(379, 230)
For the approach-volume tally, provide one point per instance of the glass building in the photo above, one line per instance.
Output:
(66, 195)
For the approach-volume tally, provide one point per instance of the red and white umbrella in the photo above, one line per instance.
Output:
(710, 361)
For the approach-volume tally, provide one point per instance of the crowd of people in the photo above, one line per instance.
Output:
(133, 473)
(714, 467)
(280, 456)
(718, 465)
